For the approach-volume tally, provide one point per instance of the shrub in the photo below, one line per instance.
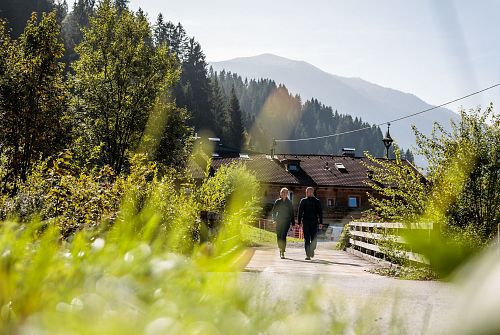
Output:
(343, 242)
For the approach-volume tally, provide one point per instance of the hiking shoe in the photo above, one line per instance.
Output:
(308, 258)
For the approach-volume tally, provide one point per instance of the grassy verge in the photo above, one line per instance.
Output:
(255, 237)
(407, 272)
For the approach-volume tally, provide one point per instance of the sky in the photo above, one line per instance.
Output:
(438, 50)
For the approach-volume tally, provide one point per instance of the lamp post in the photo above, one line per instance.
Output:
(387, 141)
(273, 148)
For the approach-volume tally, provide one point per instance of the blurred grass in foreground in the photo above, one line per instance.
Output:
(125, 280)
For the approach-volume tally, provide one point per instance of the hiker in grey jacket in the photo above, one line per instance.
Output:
(283, 217)
(310, 215)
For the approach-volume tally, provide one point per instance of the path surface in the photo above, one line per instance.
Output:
(417, 307)
(327, 261)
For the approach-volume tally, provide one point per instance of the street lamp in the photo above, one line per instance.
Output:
(273, 148)
(387, 141)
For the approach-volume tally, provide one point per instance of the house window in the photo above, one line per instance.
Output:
(353, 202)
(293, 167)
(331, 202)
(290, 195)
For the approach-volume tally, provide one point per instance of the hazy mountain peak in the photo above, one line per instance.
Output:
(267, 59)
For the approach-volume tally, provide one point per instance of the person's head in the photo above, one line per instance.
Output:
(309, 192)
(284, 193)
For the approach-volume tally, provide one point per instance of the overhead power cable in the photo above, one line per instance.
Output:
(390, 121)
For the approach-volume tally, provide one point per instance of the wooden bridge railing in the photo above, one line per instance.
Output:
(370, 237)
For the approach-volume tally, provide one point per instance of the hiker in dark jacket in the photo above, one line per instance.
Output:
(283, 217)
(310, 215)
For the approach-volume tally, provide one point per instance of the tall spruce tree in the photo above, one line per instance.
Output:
(236, 125)
(72, 28)
(195, 87)
(193, 90)
(219, 110)
(173, 35)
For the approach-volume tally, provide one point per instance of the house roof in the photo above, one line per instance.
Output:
(328, 170)
(266, 169)
(315, 170)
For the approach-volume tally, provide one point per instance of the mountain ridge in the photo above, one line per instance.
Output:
(355, 96)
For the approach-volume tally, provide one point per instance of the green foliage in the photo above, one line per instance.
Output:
(230, 184)
(463, 205)
(473, 147)
(33, 99)
(343, 242)
(400, 191)
(63, 195)
(392, 247)
(118, 77)
(461, 197)
(167, 138)
(407, 272)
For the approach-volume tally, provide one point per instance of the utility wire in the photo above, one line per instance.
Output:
(395, 120)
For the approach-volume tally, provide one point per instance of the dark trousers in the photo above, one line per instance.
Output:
(310, 232)
(281, 232)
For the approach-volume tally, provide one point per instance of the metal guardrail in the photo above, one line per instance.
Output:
(367, 237)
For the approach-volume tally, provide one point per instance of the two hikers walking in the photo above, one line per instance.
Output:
(310, 216)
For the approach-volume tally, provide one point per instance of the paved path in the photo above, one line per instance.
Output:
(418, 307)
(327, 261)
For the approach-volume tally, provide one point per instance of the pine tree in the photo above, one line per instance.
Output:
(72, 29)
(236, 125)
(193, 91)
(218, 104)
(172, 35)
(121, 5)
(409, 156)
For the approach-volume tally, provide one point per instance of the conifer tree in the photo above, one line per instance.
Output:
(236, 125)
(219, 110)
